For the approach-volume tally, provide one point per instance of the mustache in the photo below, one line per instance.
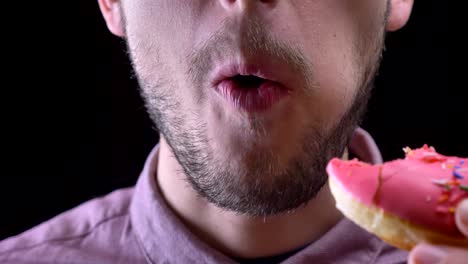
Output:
(245, 37)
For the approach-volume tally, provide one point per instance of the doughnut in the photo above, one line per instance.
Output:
(404, 201)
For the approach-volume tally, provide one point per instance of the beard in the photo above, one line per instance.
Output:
(259, 187)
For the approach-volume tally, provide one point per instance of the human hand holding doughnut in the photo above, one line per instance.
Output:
(427, 253)
(407, 202)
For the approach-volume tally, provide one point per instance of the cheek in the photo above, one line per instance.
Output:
(335, 83)
(335, 39)
(159, 34)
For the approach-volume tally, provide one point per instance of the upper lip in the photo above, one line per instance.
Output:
(265, 69)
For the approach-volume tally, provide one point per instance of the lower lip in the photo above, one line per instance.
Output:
(252, 100)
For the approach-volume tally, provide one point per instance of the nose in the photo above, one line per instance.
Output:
(244, 5)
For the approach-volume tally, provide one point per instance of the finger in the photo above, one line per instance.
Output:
(461, 217)
(430, 254)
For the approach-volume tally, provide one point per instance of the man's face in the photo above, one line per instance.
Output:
(324, 53)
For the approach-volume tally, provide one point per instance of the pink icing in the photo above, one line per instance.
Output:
(422, 188)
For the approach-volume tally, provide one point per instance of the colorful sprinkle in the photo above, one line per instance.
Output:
(457, 175)
(452, 189)
(441, 183)
(407, 150)
(454, 182)
(443, 198)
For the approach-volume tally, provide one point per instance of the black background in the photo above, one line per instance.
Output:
(74, 126)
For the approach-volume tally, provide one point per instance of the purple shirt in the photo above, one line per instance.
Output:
(135, 225)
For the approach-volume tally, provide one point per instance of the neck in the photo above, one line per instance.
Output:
(239, 235)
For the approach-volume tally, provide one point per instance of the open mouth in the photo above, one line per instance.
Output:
(247, 81)
(251, 93)
(250, 88)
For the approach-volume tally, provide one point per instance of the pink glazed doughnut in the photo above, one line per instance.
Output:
(405, 201)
